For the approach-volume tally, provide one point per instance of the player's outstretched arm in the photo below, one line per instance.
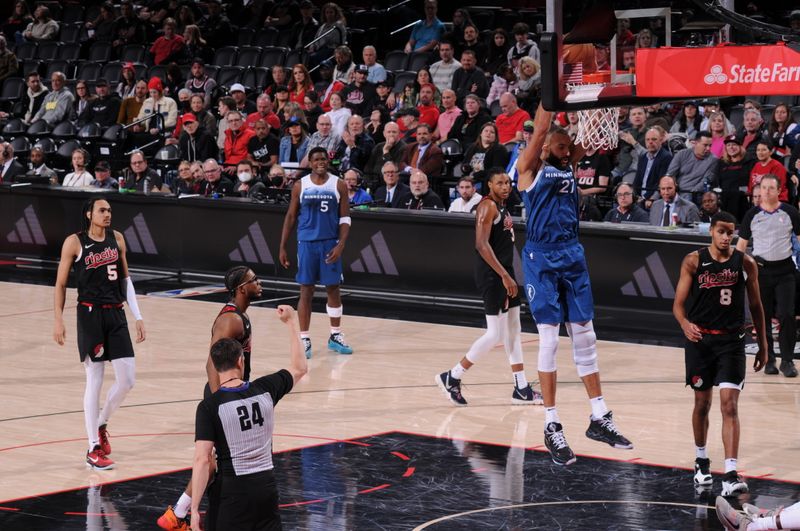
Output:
(756, 311)
(288, 224)
(531, 157)
(298, 366)
(344, 223)
(69, 250)
(484, 216)
(130, 292)
(688, 269)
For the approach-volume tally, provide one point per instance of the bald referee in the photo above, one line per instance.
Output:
(238, 422)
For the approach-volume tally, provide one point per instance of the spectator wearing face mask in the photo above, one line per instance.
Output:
(247, 178)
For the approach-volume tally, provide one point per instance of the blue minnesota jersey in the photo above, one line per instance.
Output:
(319, 210)
(552, 203)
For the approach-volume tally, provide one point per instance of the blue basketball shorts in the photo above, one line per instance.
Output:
(311, 266)
(557, 285)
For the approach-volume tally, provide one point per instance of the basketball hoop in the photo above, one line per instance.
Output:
(597, 128)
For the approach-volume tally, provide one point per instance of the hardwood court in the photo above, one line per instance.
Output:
(387, 385)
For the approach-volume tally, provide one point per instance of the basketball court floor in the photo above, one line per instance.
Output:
(368, 441)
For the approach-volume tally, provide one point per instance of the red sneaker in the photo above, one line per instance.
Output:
(171, 522)
(98, 460)
(104, 442)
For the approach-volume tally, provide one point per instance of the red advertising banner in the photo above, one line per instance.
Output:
(725, 70)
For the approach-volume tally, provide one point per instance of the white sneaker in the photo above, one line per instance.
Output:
(702, 472)
(732, 483)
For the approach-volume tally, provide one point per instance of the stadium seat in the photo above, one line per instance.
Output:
(13, 127)
(211, 71)
(13, 88)
(112, 72)
(69, 51)
(70, 33)
(737, 116)
(494, 109)
(90, 131)
(46, 144)
(245, 36)
(100, 52)
(38, 129)
(25, 51)
(65, 67)
(22, 147)
(225, 56)
(133, 53)
(228, 75)
(47, 50)
(256, 78)
(417, 61)
(159, 71)
(395, 60)
(272, 55)
(789, 100)
(89, 70)
(64, 130)
(295, 57)
(62, 158)
(248, 56)
(72, 14)
(265, 37)
(402, 78)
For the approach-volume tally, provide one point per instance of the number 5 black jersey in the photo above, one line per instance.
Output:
(718, 292)
(97, 270)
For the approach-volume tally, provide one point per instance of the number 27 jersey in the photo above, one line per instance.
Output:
(319, 210)
(552, 203)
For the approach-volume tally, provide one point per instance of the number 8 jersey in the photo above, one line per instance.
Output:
(96, 270)
(718, 292)
(319, 210)
(552, 204)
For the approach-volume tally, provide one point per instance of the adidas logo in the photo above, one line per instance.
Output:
(138, 237)
(376, 258)
(27, 229)
(650, 280)
(252, 248)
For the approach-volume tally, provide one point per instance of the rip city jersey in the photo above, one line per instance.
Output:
(551, 203)
(501, 238)
(97, 270)
(246, 339)
(319, 210)
(718, 292)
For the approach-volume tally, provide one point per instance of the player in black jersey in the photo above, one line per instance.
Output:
(101, 271)
(709, 305)
(238, 421)
(232, 322)
(494, 276)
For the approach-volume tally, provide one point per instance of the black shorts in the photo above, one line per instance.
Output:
(495, 296)
(103, 332)
(715, 359)
(243, 502)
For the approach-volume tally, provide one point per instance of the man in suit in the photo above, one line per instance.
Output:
(395, 194)
(9, 167)
(664, 211)
(652, 165)
(424, 155)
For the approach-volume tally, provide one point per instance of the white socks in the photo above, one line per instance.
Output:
(457, 371)
(599, 408)
(730, 464)
(550, 415)
(700, 452)
(520, 380)
(183, 505)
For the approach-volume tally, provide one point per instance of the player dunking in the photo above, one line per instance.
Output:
(494, 270)
(557, 280)
(323, 223)
(101, 271)
(232, 322)
(713, 280)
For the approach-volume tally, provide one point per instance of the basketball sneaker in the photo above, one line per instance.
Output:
(556, 444)
(730, 518)
(336, 343)
(702, 471)
(788, 369)
(732, 483)
(102, 432)
(306, 346)
(527, 396)
(604, 430)
(170, 521)
(98, 460)
(451, 387)
(770, 367)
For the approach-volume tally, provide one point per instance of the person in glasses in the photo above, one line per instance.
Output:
(626, 208)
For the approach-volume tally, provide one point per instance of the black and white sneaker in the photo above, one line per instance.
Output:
(702, 472)
(604, 430)
(451, 387)
(527, 396)
(557, 445)
(732, 483)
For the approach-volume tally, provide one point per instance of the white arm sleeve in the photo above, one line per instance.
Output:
(131, 297)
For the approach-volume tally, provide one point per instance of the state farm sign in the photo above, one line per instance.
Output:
(720, 71)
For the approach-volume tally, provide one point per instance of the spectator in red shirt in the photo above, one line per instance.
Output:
(166, 47)
(764, 165)
(509, 123)
(236, 138)
(300, 85)
(263, 112)
(428, 112)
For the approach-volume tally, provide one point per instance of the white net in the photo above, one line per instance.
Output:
(598, 128)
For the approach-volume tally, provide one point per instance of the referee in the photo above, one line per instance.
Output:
(237, 421)
(771, 225)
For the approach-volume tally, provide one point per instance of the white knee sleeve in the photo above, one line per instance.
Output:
(333, 313)
(490, 338)
(548, 345)
(91, 398)
(513, 340)
(584, 348)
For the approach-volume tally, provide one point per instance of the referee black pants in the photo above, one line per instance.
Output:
(777, 285)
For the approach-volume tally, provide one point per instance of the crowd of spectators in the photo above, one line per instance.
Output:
(421, 135)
